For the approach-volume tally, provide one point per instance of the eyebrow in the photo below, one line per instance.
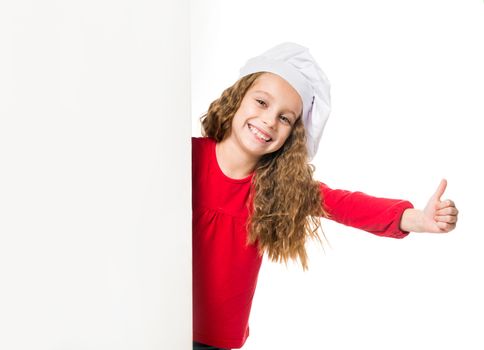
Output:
(272, 98)
(264, 92)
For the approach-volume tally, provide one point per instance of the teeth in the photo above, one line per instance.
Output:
(259, 134)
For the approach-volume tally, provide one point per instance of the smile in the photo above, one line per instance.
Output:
(259, 134)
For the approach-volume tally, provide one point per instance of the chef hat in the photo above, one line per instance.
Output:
(294, 63)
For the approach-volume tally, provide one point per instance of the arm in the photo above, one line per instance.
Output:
(380, 216)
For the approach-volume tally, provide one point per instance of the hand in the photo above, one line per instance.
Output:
(439, 216)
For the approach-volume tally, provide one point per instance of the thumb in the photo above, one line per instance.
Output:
(440, 190)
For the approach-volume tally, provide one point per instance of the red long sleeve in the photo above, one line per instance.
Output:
(380, 216)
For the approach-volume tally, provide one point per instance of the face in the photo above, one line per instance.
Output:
(266, 116)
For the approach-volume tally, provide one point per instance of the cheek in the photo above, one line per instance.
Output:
(238, 118)
(287, 132)
(247, 108)
(242, 114)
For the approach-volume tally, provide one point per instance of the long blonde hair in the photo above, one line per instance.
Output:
(285, 204)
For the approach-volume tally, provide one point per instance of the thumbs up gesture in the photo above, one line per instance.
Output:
(439, 216)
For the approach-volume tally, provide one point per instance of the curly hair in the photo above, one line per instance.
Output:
(285, 204)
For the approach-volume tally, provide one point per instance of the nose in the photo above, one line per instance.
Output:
(269, 119)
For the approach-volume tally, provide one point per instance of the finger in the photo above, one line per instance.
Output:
(445, 227)
(440, 189)
(446, 203)
(447, 211)
(446, 218)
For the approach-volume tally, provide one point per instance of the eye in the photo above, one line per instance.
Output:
(261, 102)
(285, 119)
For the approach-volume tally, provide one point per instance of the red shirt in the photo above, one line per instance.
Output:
(225, 270)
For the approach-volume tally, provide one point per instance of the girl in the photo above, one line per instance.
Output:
(254, 193)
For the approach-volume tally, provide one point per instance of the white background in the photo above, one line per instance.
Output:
(95, 215)
(407, 94)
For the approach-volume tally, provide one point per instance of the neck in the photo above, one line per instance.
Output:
(234, 163)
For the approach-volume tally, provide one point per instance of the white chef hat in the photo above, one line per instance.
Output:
(294, 63)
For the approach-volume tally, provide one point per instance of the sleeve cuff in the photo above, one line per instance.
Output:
(394, 230)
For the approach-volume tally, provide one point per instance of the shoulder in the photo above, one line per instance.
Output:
(202, 147)
(201, 143)
(200, 140)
